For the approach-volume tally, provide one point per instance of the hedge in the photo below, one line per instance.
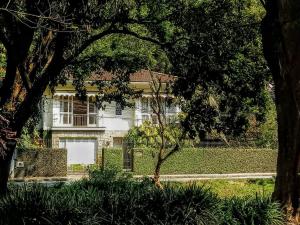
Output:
(200, 161)
(41, 163)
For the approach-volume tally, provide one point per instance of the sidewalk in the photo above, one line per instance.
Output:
(165, 177)
(195, 177)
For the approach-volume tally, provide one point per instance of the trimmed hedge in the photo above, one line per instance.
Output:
(200, 161)
(113, 158)
(42, 163)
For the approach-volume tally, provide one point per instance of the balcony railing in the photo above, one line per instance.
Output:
(80, 120)
(76, 120)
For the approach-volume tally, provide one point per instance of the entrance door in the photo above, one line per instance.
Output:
(80, 151)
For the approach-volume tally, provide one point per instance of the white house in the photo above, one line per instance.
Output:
(83, 129)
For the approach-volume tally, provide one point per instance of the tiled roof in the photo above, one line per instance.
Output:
(140, 76)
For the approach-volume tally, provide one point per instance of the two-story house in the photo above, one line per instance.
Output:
(83, 129)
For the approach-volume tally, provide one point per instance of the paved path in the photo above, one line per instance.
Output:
(195, 177)
(173, 177)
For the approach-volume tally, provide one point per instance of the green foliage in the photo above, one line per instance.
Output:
(268, 129)
(135, 52)
(252, 211)
(148, 134)
(222, 60)
(239, 188)
(111, 197)
(113, 158)
(29, 139)
(200, 160)
(2, 60)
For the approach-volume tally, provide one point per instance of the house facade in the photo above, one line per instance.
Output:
(83, 129)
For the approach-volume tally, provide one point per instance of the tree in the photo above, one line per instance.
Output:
(46, 40)
(281, 41)
(169, 136)
(224, 60)
(166, 136)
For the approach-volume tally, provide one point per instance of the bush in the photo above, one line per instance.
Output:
(251, 211)
(147, 135)
(111, 197)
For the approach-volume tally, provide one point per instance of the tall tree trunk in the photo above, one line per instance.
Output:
(287, 181)
(8, 140)
(281, 41)
(5, 163)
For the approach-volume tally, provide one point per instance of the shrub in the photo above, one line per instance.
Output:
(251, 211)
(111, 197)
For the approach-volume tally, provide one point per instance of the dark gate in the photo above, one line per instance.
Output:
(128, 155)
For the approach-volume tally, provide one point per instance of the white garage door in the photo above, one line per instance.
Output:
(80, 151)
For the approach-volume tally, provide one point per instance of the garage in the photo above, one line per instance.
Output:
(80, 151)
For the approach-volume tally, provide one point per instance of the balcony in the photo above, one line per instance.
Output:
(67, 121)
(83, 120)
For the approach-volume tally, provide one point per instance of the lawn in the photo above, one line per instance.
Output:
(237, 188)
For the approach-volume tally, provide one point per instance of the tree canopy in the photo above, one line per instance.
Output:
(222, 71)
(44, 40)
(207, 44)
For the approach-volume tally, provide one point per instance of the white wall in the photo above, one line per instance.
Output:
(106, 118)
(111, 121)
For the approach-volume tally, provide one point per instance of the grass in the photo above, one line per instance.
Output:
(81, 167)
(201, 161)
(236, 188)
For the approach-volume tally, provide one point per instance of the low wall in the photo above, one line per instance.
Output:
(41, 163)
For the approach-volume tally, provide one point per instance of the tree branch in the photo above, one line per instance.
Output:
(7, 86)
(25, 79)
(50, 73)
(86, 44)
(112, 30)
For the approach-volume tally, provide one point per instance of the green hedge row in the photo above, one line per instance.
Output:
(200, 161)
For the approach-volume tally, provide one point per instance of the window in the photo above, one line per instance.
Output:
(162, 105)
(145, 118)
(171, 119)
(92, 111)
(79, 113)
(65, 116)
(145, 105)
(171, 108)
(118, 109)
(154, 119)
(76, 112)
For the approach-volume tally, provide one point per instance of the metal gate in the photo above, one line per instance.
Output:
(128, 156)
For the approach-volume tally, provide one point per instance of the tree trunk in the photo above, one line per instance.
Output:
(156, 177)
(5, 163)
(281, 42)
(287, 181)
